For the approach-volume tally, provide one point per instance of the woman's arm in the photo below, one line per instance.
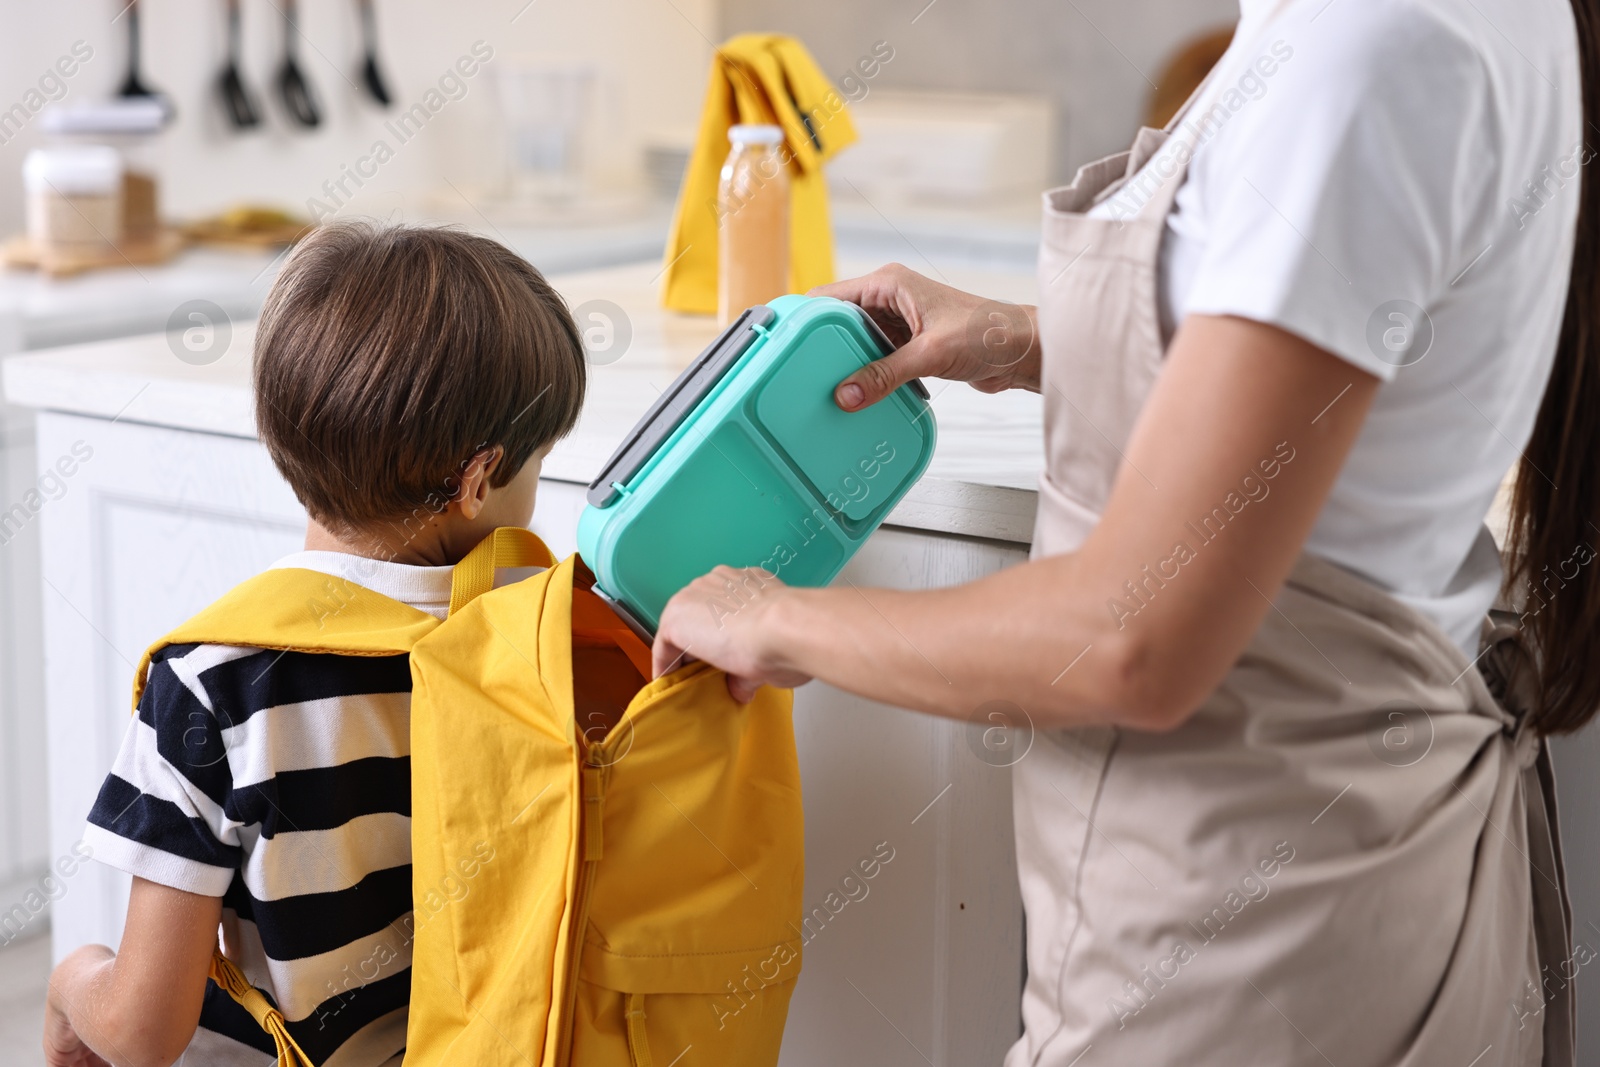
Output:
(1247, 424)
(138, 1007)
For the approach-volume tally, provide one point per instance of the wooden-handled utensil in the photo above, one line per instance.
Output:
(299, 99)
(237, 103)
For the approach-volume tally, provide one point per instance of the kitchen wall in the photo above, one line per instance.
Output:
(650, 56)
(1097, 59)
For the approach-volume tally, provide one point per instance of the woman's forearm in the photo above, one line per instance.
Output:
(1023, 636)
(1028, 373)
(1223, 478)
(1145, 619)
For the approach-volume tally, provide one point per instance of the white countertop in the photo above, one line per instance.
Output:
(40, 312)
(980, 482)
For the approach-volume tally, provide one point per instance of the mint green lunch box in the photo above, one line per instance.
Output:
(746, 460)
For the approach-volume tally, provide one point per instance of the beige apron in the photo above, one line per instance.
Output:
(1347, 856)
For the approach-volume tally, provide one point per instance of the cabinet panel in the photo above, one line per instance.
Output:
(555, 515)
(923, 962)
(24, 845)
(150, 527)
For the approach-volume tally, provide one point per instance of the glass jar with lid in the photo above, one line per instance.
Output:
(752, 220)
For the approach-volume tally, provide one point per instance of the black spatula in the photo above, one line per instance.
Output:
(237, 102)
(371, 75)
(133, 85)
(299, 99)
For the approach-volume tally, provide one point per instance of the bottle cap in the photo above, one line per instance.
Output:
(742, 134)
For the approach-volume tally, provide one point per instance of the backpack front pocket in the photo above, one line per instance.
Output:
(693, 839)
(741, 1023)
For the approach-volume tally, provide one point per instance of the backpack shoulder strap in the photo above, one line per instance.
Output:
(227, 975)
(507, 546)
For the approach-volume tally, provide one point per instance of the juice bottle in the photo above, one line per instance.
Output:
(753, 221)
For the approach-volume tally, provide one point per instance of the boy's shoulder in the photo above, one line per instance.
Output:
(221, 715)
(235, 682)
(231, 658)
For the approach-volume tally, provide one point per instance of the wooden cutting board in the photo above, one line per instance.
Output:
(217, 232)
(158, 248)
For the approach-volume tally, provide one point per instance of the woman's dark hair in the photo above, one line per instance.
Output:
(1555, 502)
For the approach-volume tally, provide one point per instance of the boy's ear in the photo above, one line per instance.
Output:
(474, 490)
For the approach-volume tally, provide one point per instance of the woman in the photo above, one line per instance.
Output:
(1287, 801)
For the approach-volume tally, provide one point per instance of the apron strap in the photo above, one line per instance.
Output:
(1552, 909)
(1506, 668)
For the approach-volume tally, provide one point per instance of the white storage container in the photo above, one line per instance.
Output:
(74, 197)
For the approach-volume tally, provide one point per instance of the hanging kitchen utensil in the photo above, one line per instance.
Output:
(237, 102)
(133, 85)
(371, 76)
(299, 99)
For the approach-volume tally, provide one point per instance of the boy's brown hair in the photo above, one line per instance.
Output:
(387, 356)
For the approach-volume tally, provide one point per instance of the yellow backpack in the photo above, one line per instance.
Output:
(581, 895)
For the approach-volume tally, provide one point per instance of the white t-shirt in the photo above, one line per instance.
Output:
(1362, 159)
(424, 588)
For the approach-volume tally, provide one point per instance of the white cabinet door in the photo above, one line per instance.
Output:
(555, 515)
(149, 529)
(24, 843)
(921, 964)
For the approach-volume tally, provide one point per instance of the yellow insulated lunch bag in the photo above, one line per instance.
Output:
(605, 869)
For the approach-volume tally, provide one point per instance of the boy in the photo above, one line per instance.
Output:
(408, 384)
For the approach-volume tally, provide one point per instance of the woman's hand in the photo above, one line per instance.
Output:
(723, 618)
(939, 332)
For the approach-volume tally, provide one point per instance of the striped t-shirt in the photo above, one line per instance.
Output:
(280, 782)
